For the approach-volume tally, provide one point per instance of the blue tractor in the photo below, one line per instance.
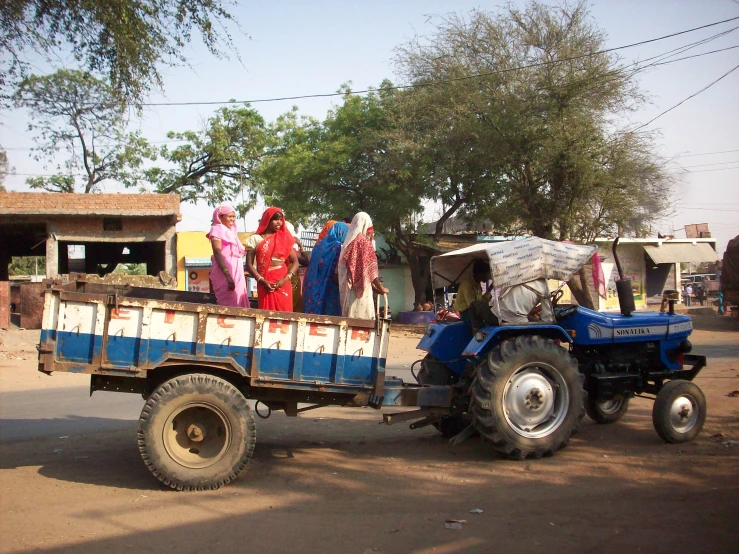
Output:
(526, 387)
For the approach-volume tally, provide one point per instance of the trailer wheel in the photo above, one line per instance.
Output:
(528, 397)
(679, 411)
(196, 432)
(607, 411)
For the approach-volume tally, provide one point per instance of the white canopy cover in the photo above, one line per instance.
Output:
(513, 262)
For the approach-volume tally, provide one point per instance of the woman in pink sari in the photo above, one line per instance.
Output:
(227, 269)
(269, 251)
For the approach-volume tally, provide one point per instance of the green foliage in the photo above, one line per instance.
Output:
(126, 40)
(131, 269)
(357, 159)
(4, 168)
(554, 162)
(218, 163)
(27, 265)
(79, 115)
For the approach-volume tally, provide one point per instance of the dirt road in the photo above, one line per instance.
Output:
(333, 480)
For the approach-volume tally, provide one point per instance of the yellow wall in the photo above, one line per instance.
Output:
(194, 244)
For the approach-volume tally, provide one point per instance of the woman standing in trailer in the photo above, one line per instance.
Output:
(227, 262)
(358, 272)
(269, 251)
(321, 287)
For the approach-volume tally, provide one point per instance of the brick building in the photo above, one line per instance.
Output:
(112, 228)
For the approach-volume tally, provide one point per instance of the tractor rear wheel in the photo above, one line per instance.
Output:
(607, 411)
(196, 432)
(679, 411)
(528, 397)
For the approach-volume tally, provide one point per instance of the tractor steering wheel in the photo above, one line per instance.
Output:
(556, 296)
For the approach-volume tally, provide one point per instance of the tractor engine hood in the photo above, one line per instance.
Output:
(589, 326)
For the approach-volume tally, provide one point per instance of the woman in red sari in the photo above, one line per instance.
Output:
(269, 251)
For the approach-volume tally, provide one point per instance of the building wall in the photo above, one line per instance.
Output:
(634, 266)
(194, 244)
(398, 280)
(4, 304)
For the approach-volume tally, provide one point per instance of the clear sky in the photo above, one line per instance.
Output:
(312, 47)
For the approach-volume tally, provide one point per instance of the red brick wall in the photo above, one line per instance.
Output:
(32, 305)
(18, 203)
(4, 304)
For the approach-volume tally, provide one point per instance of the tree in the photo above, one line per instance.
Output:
(131, 269)
(76, 113)
(218, 163)
(4, 167)
(27, 265)
(357, 159)
(547, 102)
(126, 40)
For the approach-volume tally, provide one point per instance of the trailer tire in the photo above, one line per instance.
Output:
(679, 411)
(196, 432)
(609, 411)
(527, 397)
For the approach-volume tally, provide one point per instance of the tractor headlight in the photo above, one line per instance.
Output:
(685, 347)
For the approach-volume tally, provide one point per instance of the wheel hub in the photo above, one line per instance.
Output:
(683, 414)
(535, 400)
(197, 435)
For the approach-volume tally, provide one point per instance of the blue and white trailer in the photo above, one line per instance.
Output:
(197, 363)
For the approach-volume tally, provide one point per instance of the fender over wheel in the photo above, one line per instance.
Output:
(528, 397)
(196, 432)
(679, 411)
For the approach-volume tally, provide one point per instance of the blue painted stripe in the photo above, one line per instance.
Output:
(274, 364)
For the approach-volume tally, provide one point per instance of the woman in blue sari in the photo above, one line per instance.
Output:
(320, 287)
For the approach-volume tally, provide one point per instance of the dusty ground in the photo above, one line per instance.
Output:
(333, 480)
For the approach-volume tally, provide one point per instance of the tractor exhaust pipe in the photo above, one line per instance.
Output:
(623, 286)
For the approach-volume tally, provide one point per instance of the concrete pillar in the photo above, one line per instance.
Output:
(170, 255)
(52, 257)
(4, 261)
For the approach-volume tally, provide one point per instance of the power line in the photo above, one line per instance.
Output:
(442, 81)
(706, 165)
(709, 85)
(706, 153)
(703, 170)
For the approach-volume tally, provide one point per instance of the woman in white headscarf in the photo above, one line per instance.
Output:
(358, 272)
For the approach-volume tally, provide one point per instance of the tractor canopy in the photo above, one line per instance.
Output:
(514, 262)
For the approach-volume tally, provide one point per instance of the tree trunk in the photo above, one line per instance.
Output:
(580, 289)
(419, 272)
(419, 278)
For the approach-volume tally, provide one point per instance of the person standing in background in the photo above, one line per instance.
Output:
(321, 286)
(303, 260)
(227, 263)
(689, 295)
(359, 275)
(269, 251)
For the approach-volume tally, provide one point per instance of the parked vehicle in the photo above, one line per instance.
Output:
(730, 277)
(523, 387)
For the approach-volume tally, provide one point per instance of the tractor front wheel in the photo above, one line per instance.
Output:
(607, 411)
(528, 398)
(679, 411)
